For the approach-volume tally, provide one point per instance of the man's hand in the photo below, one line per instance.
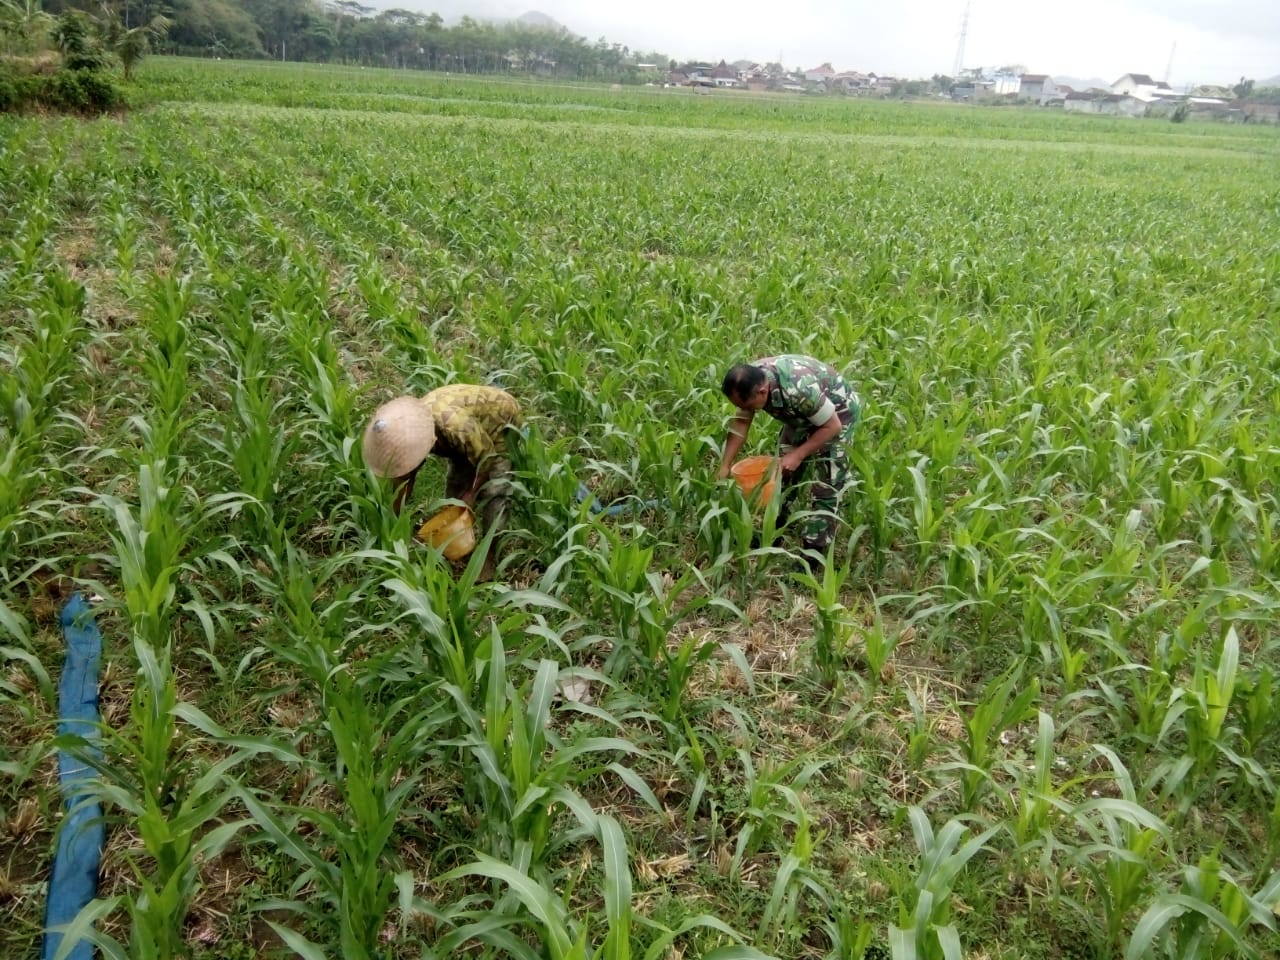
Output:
(469, 498)
(792, 461)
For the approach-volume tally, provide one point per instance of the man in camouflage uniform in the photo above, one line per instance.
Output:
(819, 412)
(465, 424)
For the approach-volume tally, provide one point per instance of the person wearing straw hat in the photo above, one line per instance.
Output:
(466, 424)
(819, 412)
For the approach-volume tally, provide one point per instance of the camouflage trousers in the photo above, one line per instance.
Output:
(494, 494)
(826, 474)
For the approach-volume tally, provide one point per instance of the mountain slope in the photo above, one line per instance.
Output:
(539, 20)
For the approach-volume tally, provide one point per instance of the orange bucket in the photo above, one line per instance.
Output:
(757, 477)
(450, 530)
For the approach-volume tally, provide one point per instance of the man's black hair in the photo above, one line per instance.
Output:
(742, 381)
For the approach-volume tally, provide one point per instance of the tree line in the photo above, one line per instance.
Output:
(348, 32)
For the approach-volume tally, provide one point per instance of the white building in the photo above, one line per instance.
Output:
(1108, 104)
(1037, 86)
(1006, 83)
(1142, 86)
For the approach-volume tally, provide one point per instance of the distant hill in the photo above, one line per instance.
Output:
(1269, 82)
(1075, 83)
(539, 20)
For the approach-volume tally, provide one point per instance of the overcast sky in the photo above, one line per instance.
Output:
(1217, 41)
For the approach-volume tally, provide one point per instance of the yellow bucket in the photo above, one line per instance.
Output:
(757, 477)
(450, 530)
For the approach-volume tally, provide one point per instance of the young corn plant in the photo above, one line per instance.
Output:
(150, 776)
(1121, 858)
(1209, 702)
(919, 734)
(1202, 708)
(878, 472)
(376, 747)
(254, 441)
(39, 364)
(380, 729)
(1007, 702)
(1212, 916)
(833, 628)
(1272, 854)
(547, 518)
(924, 931)
(928, 519)
(166, 364)
(1258, 709)
(645, 607)
(532, 903)
(781, 921)
(523, 772)
(772, 801)
(1036, 805)
(452, 612)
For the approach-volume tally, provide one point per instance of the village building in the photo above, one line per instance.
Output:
(820, 74)
(1037, 86)
(1108, 104)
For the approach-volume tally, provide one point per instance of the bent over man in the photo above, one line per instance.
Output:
(819, 412)
(465, 424)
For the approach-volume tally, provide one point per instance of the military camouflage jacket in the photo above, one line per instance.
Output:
(805, 393)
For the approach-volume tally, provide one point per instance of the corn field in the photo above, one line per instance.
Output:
(1029, 709)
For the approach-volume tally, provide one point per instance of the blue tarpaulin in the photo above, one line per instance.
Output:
(584, 495)
(75, 865)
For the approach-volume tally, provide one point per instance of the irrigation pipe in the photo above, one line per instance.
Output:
(79, 852)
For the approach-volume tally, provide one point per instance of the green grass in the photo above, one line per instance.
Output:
(1050, 634)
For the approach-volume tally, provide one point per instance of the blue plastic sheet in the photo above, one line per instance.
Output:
(597, 508)
(79, 853)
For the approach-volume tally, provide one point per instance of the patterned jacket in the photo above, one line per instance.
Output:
(804, 393)
(472, 420)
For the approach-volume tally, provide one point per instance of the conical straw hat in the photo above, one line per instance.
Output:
(399, 437)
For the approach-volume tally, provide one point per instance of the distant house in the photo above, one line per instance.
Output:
(1132, 81)
(974, 90)
(853, 82)
(724, 75)
(1037, 86)
(1141, 86)
(1198, 106)
(1216, 108)
(1006, 83)
(1213, 90)
(1108, 104)
(820, 74)
(884, 84)
(1255, 111)
(695, 69)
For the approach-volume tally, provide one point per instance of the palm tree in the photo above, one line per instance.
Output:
(27, 23)
(135, 43)
(131, 44)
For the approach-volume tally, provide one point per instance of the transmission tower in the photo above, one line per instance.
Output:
(964, 30)
(1168, 70)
